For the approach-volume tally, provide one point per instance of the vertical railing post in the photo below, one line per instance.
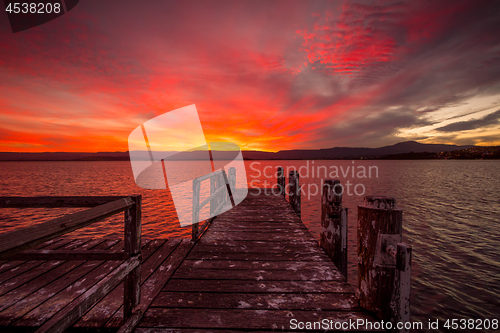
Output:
(281, 181)
(383, 261)
(195, 209)
(333, 234)
(231, 176)
(213, 188)
(294, 191)
(220, 183)
(132, 284)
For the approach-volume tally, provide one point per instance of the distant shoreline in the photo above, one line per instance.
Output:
(383, 158)
(409, 150)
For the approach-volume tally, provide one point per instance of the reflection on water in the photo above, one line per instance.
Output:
(451, 217)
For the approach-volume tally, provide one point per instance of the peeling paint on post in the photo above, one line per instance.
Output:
(333, 234)
(383, 288)
(294, 191)
(401, 299)
(281, 181)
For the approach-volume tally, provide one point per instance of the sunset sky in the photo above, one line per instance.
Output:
(266, 75)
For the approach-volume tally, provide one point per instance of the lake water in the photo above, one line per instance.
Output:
(451, 216)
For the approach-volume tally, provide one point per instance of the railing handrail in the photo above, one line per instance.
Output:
(22, 239)
(215, 191)
(14, 242)
(57, 201)
(208, 175)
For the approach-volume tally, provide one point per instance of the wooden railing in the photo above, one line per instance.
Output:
(15, 245)
(217, 198)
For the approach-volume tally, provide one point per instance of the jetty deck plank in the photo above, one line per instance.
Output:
(256, 267)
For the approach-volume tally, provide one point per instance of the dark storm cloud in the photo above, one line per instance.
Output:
(373, 130)
(486, 121)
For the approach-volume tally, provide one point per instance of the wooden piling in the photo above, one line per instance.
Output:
(383, 272)
(294, 191)
(281, 181)
(401, 299)
(132, 287)
(333, 234)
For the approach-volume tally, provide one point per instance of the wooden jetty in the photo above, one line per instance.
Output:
(255, 267)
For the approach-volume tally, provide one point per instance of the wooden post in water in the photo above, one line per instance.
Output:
(132, 284)
(281, 181)
(384, 262)
(333, 234)
(294, 191)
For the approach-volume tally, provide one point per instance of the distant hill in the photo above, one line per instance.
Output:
(346, 152)
(397, 151)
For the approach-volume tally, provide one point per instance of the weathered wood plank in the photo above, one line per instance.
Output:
(255, 264)
(159, 271)
(259, 236)
(152, 286)
(257, 256)
(69, 255)
(324, 273)
(73, 311)
(259, 226)
(45, 286)
(255, 217)
(43, 270)
(26, 266)
(258, 301)
(250, 286)
(269, 248)
(51, 306)
(8, 264)
(264, 247)
(19, 240)
(240, 319)
(105, 308)
(258, 211)
(293, 242)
